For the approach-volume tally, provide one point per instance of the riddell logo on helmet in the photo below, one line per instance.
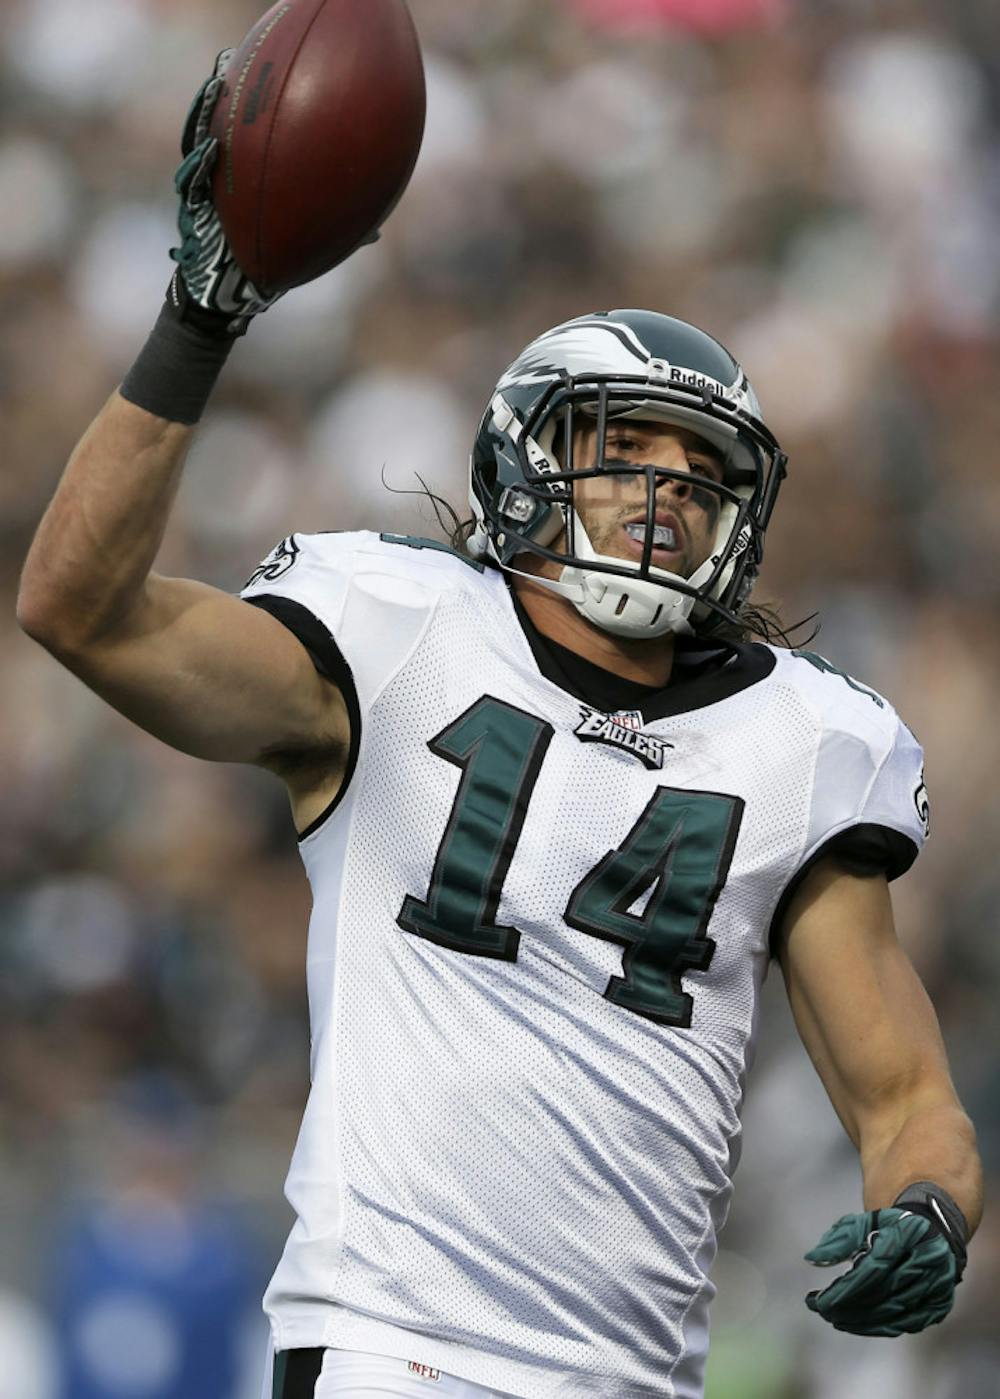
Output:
(661, 371)
(423, 1372)
(691, 376)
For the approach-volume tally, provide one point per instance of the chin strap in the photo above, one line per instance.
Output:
(573, 592)
(635, 608)
(595, 597)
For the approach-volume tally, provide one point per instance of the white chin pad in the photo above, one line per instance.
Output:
(630, 607)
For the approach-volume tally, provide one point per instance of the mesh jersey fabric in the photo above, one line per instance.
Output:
(497, 1158)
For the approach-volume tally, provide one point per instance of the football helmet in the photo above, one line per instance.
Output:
(594, 370)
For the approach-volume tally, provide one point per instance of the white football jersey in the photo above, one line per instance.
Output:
(537, 943)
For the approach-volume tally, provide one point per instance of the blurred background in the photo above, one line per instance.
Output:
(817, 183)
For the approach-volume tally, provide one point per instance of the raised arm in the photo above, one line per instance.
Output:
(204, 671)
(870, 1030)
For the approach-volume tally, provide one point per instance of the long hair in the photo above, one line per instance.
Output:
(756, 621)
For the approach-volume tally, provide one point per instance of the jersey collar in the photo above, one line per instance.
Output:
(704, 672)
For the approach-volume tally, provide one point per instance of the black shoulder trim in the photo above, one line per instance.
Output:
(865, 849)
(329, 660)
(305, 625)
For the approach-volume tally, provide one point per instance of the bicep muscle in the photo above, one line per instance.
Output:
(214, 677)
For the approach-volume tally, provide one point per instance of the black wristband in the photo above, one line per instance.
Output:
(177, 367)
(933, 1203)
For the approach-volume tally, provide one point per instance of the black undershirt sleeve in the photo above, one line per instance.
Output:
(329, 660)
(324, 652)
(865, 850)
(868, 849)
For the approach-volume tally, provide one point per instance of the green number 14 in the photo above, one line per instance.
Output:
(675, 858)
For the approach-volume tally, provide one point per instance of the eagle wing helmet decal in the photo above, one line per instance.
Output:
(604, 347)
(580, 347)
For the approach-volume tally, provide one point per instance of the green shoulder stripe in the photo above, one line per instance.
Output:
(822, 664)
(412, 541)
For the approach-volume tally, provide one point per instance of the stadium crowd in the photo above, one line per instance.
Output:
(816, 182)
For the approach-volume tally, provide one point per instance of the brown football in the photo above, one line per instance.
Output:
(319, 126)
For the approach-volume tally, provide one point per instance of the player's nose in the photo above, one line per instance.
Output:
(676, 488)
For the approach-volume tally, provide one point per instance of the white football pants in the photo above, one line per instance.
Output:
(351, 1374)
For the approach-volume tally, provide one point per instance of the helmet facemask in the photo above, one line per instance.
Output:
(632, 599)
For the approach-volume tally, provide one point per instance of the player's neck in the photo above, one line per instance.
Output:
(648, 662)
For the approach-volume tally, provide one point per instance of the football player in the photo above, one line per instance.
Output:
(558, 810)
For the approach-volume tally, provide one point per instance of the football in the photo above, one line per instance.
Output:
(319, 126)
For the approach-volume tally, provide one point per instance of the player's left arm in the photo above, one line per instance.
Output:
(871, 1031)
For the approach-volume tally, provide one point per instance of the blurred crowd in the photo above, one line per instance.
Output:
(815, 182)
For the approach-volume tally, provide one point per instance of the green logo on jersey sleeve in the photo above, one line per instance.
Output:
(822, 664)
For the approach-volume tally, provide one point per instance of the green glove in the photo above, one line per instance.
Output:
(209, 288)
(903, 1277)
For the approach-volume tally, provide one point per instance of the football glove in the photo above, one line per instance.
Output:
(907, 1262)
(209, 288)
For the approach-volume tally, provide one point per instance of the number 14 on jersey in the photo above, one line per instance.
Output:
(678, 852)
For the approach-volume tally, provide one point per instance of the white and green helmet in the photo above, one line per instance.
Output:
(598, 368)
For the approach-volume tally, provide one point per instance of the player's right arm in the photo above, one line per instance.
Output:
(206, 672)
